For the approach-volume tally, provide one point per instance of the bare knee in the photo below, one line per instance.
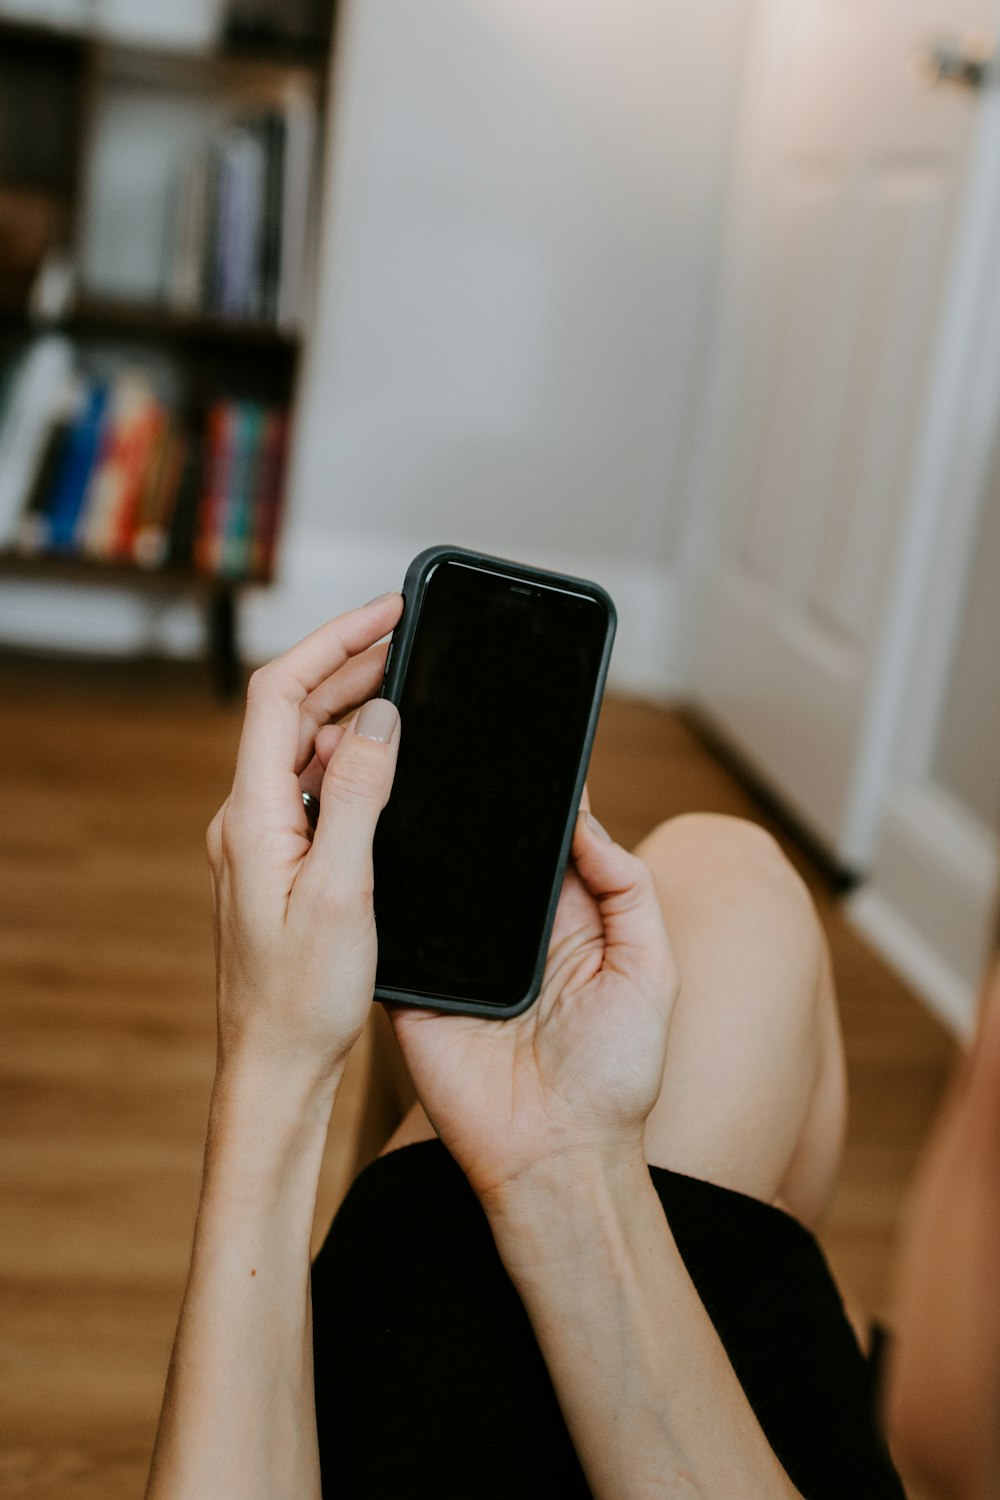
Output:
(718, 837)
(720, 859)
(740, 917)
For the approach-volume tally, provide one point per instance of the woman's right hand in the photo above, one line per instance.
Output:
(576, 1074)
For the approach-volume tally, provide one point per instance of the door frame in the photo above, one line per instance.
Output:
(955, 452)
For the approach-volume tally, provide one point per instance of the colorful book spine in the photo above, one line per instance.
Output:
(148, 427)
(267, 493)
(219, 450)
(150, 542)
(237, 538)
(182, 540)
(79, 454)
(39, 390)
(32, 533)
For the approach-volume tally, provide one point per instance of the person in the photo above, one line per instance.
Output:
(943, 1391)
(585, 1262)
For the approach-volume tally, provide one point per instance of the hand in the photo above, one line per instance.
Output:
(294, 924)
(579, 1071)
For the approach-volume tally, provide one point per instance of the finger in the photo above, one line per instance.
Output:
(585, 799)
(311, 778)
(269, 745)
(356, 787)
(327, 740)
(356, 682)
(623, 888)
(576, 909)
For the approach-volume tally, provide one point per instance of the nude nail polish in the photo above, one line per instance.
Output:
(598, 828)
(378, 720)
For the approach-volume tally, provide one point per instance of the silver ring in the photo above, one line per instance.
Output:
(311, 805)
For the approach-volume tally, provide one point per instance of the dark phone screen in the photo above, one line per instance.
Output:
(495, 704)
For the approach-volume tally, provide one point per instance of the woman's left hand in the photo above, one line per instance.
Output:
(294, 924)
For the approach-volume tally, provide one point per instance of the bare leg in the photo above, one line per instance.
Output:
(753, 1093)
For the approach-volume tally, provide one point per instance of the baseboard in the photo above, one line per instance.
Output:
(929, 905)
(320, 576)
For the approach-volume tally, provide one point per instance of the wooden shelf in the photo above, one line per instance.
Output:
(216, 67)
(227, 58)
(97, 316)
(69, 568)
(107, 315)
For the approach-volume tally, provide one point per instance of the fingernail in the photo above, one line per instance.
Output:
(602, 833)
(378, 720)
(389, 594)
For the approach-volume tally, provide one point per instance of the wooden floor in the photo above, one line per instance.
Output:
(109, 775)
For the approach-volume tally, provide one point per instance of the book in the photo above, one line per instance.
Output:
(152, 533)
(236, 525)
(76, 461)
(180, 550)
(239, 223)
(186, 269)
(148, 546)
(32, 531)
(219, 446)
(272, 129)
(268, 486)
(149, 426)
(40, 386)
(300, 130)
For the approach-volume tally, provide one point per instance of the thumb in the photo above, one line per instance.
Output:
(623, 887)
(356, 786)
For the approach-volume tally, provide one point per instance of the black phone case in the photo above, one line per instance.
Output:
(392, 684)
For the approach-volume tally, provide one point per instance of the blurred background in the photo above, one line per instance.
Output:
(700, 301)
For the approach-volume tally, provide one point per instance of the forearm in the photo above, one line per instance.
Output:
(649, 1396)
(238, 1414)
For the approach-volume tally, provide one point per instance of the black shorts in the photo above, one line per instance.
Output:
(429, 1381)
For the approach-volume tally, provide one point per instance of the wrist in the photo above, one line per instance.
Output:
(249, 1067)
(553, 1212)
(269, 1112)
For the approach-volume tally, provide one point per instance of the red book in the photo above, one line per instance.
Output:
(159, 499)
(139, 452)
(268, 492)
(210, 525)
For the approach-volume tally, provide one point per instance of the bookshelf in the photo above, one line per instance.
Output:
(158, 213)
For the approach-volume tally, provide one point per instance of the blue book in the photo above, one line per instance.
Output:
(76, 461)
(237, 536)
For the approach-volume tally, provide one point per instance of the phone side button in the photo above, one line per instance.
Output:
(385, 672)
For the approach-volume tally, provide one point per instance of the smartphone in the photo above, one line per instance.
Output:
(498, 672)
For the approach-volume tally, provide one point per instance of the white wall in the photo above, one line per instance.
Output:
(523, 200)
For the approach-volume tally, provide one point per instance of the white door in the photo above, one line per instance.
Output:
(856, 234)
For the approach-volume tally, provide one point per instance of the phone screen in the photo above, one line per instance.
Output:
(495, 704)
